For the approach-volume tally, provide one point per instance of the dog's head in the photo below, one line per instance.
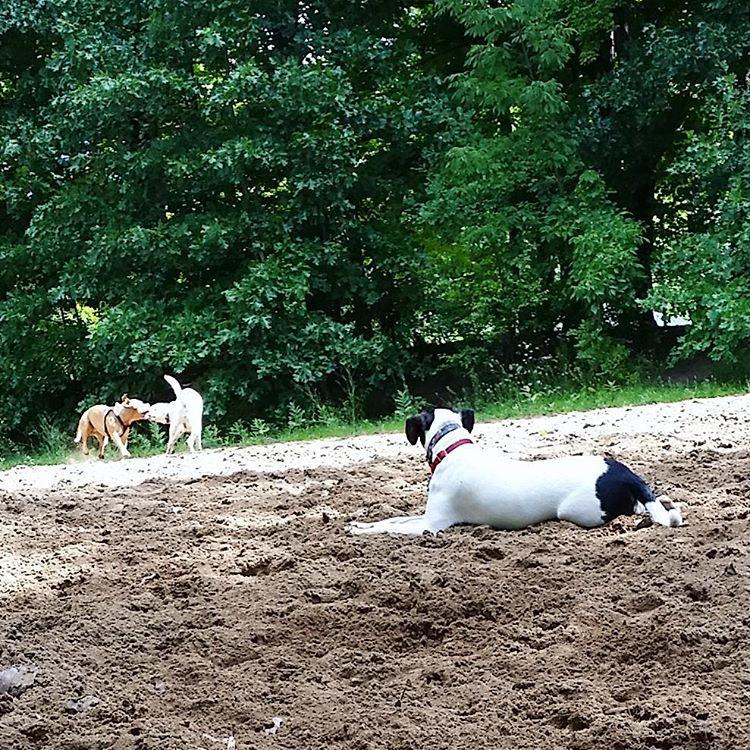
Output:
(132, 409)
(159, 413)
(425, 424)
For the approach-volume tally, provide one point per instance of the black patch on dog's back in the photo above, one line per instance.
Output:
(619, 489)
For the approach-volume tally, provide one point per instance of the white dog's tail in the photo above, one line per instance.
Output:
(176, 387)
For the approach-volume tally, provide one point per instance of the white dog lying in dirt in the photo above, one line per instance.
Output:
(184, 414)
(474, 486)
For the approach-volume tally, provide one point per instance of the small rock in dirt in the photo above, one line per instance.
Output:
(79, 705)
(229, 742)
(16, 680)
(6, 704)
(276, 723)
(322, 595)
(490, 552)
(730, 570)
(265, 565)
(158, 687)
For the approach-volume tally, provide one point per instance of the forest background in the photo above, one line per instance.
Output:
(331, 210)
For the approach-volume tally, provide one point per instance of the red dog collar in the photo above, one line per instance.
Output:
(444, 453)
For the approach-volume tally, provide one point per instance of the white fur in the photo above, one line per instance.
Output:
(184, 414)
(476, 487)
(133, 403)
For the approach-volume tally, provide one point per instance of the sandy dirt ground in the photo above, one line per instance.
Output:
(216, 602)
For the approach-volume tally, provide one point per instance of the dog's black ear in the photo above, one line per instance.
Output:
(415, 429)
(467, 419)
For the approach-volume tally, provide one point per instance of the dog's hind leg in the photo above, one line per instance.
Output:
(414, 525)
(195, 427)
(83, 434)
(622, 492)
(582, 508)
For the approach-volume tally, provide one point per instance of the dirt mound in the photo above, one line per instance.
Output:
(193, 614)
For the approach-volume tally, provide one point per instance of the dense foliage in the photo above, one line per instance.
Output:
(290, 204)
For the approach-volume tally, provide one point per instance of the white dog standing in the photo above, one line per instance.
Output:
(474, 486)
(184, 414)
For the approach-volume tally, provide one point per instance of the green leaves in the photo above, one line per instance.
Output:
(214, 190)
(603, 244)
(278, 201)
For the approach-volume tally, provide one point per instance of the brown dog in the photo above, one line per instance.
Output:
(110, 422)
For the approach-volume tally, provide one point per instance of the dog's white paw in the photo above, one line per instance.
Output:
(673, 510)
(675, 517)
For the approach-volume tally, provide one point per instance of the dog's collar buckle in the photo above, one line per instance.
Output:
(444, 453)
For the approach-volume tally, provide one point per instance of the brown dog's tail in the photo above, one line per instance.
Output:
(79, 434)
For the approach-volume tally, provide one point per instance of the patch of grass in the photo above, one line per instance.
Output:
(148, 440)
(563, 400)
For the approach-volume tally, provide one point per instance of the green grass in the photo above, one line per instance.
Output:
(146, 440)
(596, 397)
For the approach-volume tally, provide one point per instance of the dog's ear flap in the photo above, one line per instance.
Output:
(124, 398)
(415, 429)
(467, 419)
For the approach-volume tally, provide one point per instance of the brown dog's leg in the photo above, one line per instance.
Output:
(117, 440)
(85, 438)
(86, 434)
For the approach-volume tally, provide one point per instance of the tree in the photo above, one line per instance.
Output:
(544, 258)
(214, 189)
(598, 172)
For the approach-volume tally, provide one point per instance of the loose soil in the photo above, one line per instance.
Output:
(192, 612)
